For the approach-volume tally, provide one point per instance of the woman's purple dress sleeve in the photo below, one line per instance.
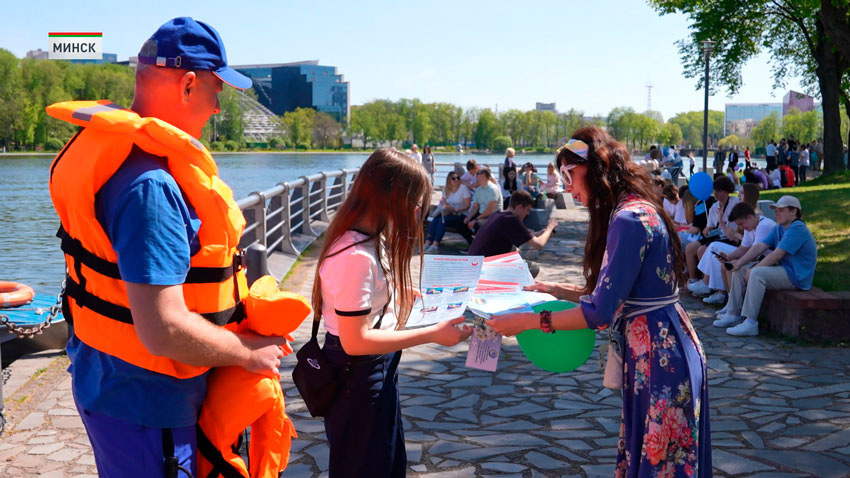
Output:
(624, 253)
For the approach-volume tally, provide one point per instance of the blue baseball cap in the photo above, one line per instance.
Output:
(188, 44)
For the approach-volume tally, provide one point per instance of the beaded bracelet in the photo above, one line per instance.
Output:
(546, 322)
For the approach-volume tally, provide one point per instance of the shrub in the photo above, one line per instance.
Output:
(501, 143)
(53, 144)
(231, 145)
(277, 143)
(304, 145)
(217, 146)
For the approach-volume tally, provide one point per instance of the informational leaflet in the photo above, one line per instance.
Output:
(494, 304)
(484, 347)
(448, 283)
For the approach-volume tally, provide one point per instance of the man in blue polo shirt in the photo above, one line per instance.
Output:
(790, 266)
(137, 419)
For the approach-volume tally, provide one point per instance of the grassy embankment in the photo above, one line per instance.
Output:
(826, 210)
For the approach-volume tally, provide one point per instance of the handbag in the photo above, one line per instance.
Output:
(314, 376)
(613, 376)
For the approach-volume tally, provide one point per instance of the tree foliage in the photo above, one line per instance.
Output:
(766, 130)
(805, 38)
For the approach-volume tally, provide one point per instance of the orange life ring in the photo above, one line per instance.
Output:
(13, 294)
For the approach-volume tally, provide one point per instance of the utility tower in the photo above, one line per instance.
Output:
(649, 87)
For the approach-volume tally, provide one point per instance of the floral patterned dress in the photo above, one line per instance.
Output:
(665, 430)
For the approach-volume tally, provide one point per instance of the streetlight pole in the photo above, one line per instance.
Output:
(707, 48)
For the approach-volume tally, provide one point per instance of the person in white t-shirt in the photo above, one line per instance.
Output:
(670, 195)
(756, 227)
(365, 291)
(415, 154)
(468, 178)
(450, 213)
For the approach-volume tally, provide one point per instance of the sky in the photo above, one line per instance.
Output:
(589, 55)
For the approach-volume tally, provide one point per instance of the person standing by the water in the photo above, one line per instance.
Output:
(633, 265)
(429, 163)
(364, 291)
(150, 235)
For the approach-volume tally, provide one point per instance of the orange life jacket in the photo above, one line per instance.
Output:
(96, 297)
(237, 398)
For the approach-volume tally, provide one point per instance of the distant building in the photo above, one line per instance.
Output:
(741, 118)
(801, 101)
(40, 54)
(546, 107)
(283, 87)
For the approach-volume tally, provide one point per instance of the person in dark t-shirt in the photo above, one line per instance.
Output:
(505, 229)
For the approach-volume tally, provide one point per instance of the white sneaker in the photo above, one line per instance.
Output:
(746, 328)
(692, 282)
(721, 311)
(716, 298)
(432, 249)
(726, 320)
(700, 288)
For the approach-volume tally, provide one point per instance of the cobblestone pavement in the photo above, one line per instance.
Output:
(778, 410)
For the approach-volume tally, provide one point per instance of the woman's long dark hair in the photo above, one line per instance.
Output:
(509, 184)
(611, 173)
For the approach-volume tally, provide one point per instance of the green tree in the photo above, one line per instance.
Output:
(735, 140)
(327, 132)
(618, 122)
(364, 123)
(501, 143)
(298, 126)
(691, 124)
(766, 130)
(807, 38)
(485, 129)
(420, 126)
(805, 127)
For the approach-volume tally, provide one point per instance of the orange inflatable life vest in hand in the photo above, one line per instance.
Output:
(237, 398)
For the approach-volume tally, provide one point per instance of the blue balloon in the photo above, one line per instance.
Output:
(701, 185)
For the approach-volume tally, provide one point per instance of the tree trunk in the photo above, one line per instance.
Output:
(829, 72)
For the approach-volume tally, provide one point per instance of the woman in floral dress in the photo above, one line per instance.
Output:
(633, 265)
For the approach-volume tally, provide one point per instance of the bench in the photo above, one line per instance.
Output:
(811, 314)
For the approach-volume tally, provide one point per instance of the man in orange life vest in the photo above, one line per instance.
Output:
(150, 236)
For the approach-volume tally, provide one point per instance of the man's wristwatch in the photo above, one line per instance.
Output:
(546, 322)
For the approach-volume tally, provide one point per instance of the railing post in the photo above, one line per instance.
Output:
(325, 216)
(306, 228)
(260, 217)
(286, 245)
(257, 261)
(344, 184)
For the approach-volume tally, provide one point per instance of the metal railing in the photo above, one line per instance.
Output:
(273, 216)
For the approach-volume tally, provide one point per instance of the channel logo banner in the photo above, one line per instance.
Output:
(75, 46)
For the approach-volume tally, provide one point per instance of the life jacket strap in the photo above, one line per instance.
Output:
(220, 466)
(120, 313)
(196, 275)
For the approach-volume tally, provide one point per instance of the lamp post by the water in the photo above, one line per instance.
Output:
(707, 48)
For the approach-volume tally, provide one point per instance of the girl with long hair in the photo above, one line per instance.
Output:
(364, 290)
(633, 266)
(451, 212)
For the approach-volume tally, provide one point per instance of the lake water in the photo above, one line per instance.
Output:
(29, 250)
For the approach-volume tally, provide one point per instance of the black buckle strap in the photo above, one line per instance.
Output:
(221, 467)
(196, 275)
(122, 314)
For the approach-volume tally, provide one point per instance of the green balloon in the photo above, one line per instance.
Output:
(563, 351)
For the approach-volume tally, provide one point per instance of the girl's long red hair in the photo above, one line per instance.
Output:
(386, 193)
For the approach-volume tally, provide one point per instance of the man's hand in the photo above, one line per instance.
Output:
(264, 354)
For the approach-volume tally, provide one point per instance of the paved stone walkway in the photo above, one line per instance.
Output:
(778, 410)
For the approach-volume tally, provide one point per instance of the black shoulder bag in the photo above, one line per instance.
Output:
(315, 377)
